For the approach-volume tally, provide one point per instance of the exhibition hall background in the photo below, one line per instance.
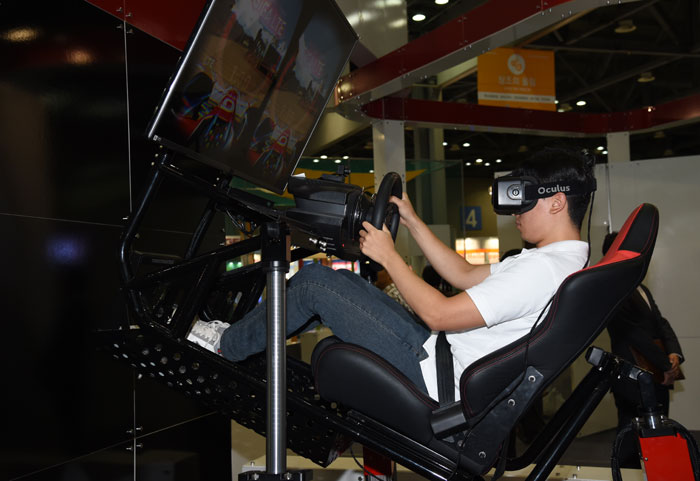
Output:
(77, 90)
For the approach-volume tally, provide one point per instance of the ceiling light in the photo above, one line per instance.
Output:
(645, 77)
(20, 34)
(371, 171)
(625, 26)
(487, 164)
(468, 164)
(337, 161)
(605, 152)
(418, 17)
(324, 156)
(478, 161)
(316, 161)
(346, 157)
(498, 161)
(444, 144)
(441, 2)
(600, 147)
(556, 102)
(581, 103)
(466, 144)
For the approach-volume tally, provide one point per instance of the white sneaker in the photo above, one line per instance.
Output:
(208, 334)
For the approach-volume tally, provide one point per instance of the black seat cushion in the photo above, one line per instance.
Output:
(364, 381)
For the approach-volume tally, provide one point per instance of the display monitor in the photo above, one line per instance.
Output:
(252, 84)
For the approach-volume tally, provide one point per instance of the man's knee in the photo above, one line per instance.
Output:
(311, 272)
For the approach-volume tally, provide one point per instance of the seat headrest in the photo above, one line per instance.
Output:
(579, 311)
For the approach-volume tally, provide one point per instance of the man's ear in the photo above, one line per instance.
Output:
(558, 203)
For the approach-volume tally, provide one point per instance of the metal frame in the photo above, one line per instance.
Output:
(202, 272)
(454, 115)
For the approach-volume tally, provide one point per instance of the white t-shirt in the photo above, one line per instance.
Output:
(510, 300)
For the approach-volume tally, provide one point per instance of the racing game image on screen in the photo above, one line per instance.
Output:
(252, 85)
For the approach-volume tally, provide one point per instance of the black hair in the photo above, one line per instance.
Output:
(557, 164)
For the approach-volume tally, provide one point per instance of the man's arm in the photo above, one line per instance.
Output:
(664, 329)
(439, 312)
(451, 266)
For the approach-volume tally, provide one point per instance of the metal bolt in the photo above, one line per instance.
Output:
(482, 455)
(511, 402)
(531, 378)
(256, 476)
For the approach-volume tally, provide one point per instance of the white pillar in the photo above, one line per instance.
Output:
(389, 150)
(438, 182)
(618, 147)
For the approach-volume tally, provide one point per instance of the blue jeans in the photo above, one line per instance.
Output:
(355, 310)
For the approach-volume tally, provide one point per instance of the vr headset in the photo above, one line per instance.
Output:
(518, 194)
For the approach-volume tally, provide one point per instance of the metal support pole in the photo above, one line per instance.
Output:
(276, 255)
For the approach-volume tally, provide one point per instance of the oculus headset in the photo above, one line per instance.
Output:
(518, 194)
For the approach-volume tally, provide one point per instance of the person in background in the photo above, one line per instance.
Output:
(388, 287)
(641, 335)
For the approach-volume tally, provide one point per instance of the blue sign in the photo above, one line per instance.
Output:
(471, 217)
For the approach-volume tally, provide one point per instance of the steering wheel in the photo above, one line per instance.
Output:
(385, 212)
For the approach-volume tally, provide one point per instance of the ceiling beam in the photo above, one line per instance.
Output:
(612, 80)
(492, 24)
(663, 23)
(612, 22)
(583, 82)
(452, 115)
(618, 51)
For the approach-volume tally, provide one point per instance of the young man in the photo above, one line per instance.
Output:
(498, 304)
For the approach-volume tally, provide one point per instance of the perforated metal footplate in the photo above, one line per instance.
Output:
(237, 390)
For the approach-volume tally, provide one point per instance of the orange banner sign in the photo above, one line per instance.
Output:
(517, 78)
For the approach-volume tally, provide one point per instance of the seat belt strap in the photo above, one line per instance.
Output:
(445, 370)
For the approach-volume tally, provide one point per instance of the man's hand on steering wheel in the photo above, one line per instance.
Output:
(406, 211)
(376, 244)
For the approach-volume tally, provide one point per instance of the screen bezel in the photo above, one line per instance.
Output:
(230, 168)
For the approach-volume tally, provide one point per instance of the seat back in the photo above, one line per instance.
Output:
(579, 311)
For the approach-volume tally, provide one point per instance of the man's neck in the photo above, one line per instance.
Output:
(560, 235)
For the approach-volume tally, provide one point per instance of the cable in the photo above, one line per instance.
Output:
(693, 451)
(614, 461)
(364, 470)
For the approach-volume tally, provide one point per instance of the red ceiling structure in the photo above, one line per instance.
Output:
(366, 91)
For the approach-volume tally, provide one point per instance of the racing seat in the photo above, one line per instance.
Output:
(467, 438)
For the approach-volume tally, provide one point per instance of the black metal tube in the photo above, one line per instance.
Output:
(134, 222)
(561, 417)
(545, 466)
(126, 268)
(194, 301)
(202, 227)
(234, 250)
(275, 259)
(276, 461)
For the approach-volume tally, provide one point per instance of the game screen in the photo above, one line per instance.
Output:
(252, 84)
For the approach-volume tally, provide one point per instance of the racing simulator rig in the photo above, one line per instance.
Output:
(243, 101)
